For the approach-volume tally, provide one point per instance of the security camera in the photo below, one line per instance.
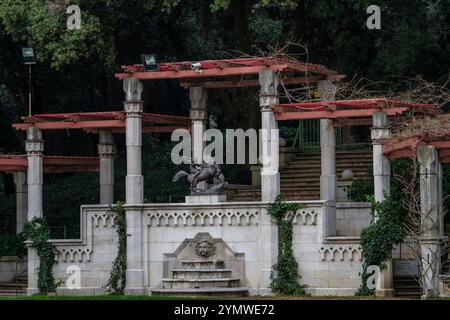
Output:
(196, 66)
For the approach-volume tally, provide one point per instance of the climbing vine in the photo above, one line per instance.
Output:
(117, 280)
(378, 239)
(284, 279)
(38, 232)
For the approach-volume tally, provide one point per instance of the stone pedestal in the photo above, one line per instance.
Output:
(341, 190)
(206, 198)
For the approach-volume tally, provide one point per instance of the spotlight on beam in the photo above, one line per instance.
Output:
(150, 62)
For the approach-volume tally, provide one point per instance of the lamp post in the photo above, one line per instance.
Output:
(29, 59)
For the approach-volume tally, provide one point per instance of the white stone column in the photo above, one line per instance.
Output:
(328, 161)
(270, 177)
(134, 185)
(20, 181)
(106, 152)
(380, 132)
(431, 217)
(133, 108)
(198, 115)
(34, 147)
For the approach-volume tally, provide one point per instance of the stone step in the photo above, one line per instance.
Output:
(200, 283)
(13, 285)
(206, 292)
(200, 274)
(12, 292)
(339, 166)
(202, 264)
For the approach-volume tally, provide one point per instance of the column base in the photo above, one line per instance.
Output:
(385, 293)
(135, 282)
(135, 291)
(32, 291)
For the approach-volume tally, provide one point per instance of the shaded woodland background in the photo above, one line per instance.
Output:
(76, 67)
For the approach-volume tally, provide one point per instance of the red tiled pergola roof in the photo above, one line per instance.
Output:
(395, 148)
(294, 71)
(93, 121)
(346, 109)
(52, 164)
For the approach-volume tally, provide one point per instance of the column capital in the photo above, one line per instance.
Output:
(327, 90)
(34, 147)
(198, 115)
(198, 97)
(268, 94)
(378, 135)
(106, 150)
(428, 158)
(133, 107)
(133, 89)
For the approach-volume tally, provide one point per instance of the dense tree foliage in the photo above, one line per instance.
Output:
(76, 67)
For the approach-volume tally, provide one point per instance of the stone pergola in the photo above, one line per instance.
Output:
(105, 124)
(346, 113)
(431, 153)
(210, 74)
(18, 166)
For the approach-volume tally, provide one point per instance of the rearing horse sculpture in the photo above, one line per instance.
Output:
(204, 172)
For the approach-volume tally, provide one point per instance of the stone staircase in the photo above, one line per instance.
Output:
(300, 178)
(201, 278)
(407, 287)
(15, 287)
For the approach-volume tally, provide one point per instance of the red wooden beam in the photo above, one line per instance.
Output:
(444, 153)
(402, 153)
(59, 125)
(391, 146)
(74, 169)
(361, 103)
(244, 83)
(215, 72)
(335, 114)
(445, 160)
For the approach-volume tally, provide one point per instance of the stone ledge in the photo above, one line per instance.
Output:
(342, 239)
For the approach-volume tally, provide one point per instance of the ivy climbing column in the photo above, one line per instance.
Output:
(134, 185)
(380, 132)
(431, 217)
(270, 177)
